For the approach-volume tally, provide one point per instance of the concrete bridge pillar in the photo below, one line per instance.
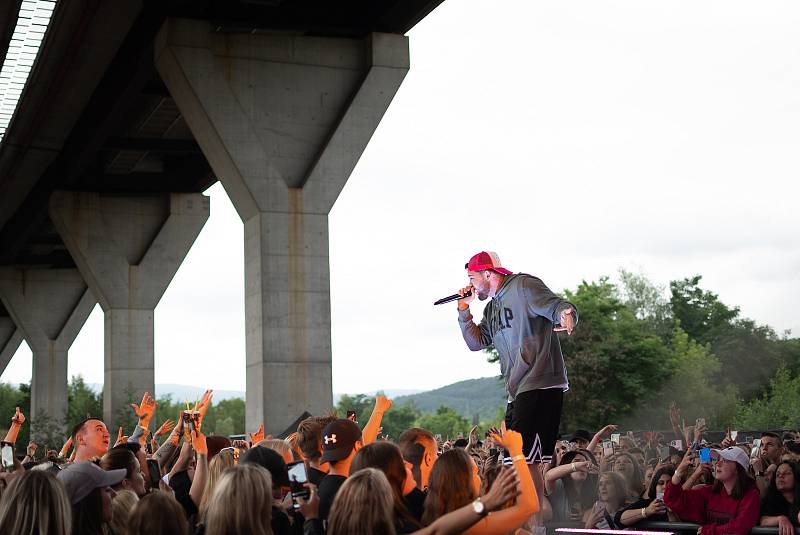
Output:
(283, 120)
(128, 249)
(10, 339)
(49, 306)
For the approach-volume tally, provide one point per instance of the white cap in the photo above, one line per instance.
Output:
(733, 453)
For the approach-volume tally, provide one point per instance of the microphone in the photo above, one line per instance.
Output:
(451, 298)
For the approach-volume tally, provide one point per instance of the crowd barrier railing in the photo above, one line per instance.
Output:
(681, 528)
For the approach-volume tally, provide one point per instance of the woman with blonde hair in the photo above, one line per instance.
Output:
(241, 502)
(35, 503)
(121, 507)
(221, 462)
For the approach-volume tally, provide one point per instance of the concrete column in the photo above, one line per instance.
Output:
(49, 306)
(10, 339)
(128, 249)
(283, 120)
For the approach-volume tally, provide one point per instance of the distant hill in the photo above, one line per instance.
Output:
(476, 396)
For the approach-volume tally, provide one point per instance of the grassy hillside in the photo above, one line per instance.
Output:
(476, 396)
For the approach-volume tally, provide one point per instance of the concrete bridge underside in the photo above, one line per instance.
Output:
(132, 110)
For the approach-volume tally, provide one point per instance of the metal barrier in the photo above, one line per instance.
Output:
(683, 528)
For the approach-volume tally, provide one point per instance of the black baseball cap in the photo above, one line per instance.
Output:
(338, 439)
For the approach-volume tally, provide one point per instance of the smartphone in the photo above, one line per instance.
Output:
(663, 452)
(734, 434)
(351, 415)
(699, 422)
(660, 496)
(298, 477)
(756, 448)
(705, 455)
(6, 456)
(154, 472)
(438, 438)
(615, 438)
(608, 448)
(677, 444)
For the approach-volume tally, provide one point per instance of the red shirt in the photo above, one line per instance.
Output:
(719, 514)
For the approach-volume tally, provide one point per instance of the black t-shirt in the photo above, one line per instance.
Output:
(415, 502)
(315, 476)
(181, 484)
(778, 506)
(327, 490)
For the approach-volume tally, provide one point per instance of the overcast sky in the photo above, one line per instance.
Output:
(573, 138)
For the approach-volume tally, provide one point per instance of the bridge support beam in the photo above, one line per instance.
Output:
(10, 340)
(283, 120)
(49, 306)
(128, 249)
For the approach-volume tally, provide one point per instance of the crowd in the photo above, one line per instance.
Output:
(332, 476)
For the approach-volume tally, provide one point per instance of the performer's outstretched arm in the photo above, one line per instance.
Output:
(543, 302)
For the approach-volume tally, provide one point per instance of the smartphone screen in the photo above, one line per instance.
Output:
(663, 452)
(351, 415)
(7, 457)
(615, 438)
(705, 455)
(297, 472)
(677, 444)
(608, 448)
(297, 477)
(734, 434)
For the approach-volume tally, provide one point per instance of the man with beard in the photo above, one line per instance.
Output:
(520, 322)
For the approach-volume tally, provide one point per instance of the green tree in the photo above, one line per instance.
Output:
(695, 385)
(614, 359)
(445, 422)
(647, 301)
(749, 353)
(82, 402)
(398, 419)
(777, 408)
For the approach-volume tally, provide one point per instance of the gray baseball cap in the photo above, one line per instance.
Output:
(80, 479)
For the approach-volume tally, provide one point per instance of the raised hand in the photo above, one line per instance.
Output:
(146, 410)
(32, 447)
(258, 436)
(121, 439)
(18, 418)
(566, 321)
(382, 404)
(504, 488)
(165, 428)
(205, 403)
(510, 440)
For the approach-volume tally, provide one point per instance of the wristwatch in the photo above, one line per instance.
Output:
(479, 508)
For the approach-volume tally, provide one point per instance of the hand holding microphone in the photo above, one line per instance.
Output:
(464, 297)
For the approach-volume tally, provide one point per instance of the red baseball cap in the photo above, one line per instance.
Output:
(486, 260)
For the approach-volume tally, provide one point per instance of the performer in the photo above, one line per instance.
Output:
(520, 322)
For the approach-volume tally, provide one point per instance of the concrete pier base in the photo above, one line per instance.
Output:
(128, 249)
(49, 306)
(283, 120)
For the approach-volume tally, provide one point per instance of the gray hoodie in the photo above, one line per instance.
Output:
(519, 322)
